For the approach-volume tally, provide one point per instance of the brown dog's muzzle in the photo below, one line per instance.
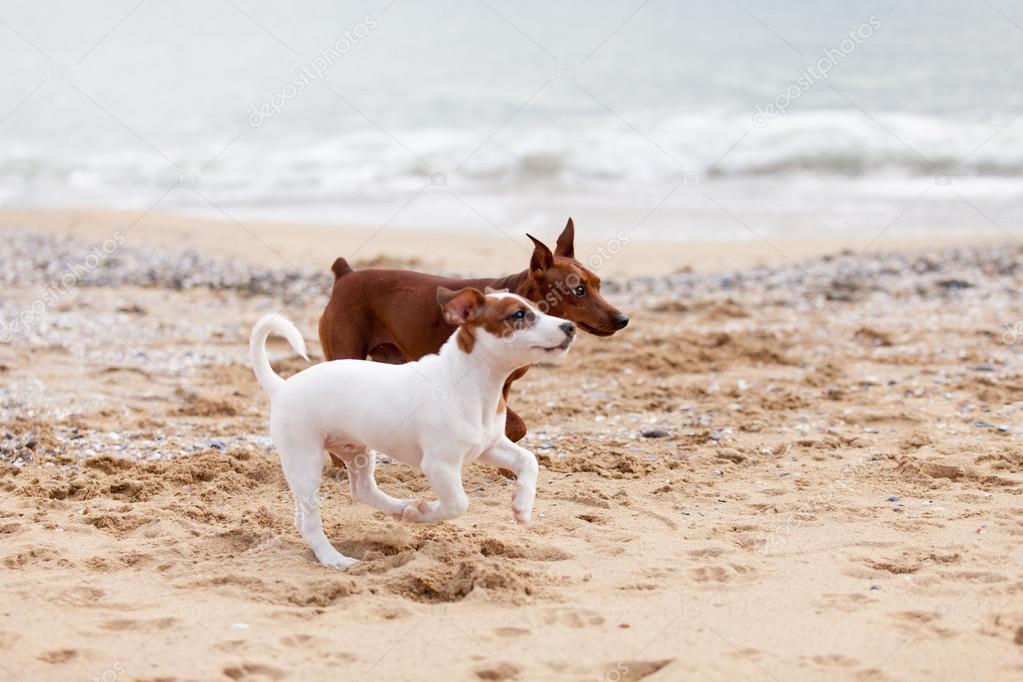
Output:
(616, 322)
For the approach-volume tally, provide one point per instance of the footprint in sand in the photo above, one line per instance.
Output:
(710, 574)
(35, 556)
(254, 671)
(719, 573)
(232, 646)
(121, 624)
(917, 617)
(925, 621)
(574, 618)
(497, 671)
(309, 642)
(831, 661)
(496, 548)
(747, 654)
(298, 641)
(846, 603)
(511, 632)
(393, 612)
(82, 596)
(632, 671)
(592, 518)
(58, 656)
(658, 572)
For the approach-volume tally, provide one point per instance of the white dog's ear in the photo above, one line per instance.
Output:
(566, 242)
(460, 306)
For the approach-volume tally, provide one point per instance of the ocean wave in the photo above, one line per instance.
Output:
(599, 155)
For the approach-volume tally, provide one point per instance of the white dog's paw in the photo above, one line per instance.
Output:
(522, 505)
(335, 559)
(399, 513)
(522, 514)
(420, 511)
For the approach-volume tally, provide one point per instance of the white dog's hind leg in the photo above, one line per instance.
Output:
(362, 477)
(303, 467)
(446, 480)
(522, 463)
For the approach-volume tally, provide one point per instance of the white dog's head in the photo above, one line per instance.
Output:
(505, 325)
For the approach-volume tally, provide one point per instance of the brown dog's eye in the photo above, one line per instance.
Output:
(580, 291)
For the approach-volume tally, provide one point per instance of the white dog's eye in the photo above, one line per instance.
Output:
(519, 315)
(580, 291)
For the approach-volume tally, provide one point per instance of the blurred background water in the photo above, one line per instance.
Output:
(465, 115)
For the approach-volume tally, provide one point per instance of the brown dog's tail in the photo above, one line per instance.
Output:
(340, 268)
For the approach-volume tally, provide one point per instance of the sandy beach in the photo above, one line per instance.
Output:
(297, 245)
(800, 461)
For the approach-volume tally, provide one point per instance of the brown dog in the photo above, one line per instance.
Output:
(392, 315)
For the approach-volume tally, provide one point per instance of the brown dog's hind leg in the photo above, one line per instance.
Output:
(343, 342)
(324, 330)
(387, 353)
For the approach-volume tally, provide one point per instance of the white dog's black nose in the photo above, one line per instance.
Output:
(568, 328)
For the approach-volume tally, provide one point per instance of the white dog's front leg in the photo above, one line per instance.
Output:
(446, 480)
(522, 463)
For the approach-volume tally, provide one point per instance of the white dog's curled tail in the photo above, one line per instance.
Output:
(272, 323)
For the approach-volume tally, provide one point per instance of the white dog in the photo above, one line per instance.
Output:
(436, 414)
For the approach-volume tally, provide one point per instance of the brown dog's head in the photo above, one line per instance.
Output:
(565, 288)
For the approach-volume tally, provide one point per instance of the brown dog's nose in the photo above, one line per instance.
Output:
(621, 321)
(568, 328)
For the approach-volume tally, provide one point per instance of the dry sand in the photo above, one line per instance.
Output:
(832, 489)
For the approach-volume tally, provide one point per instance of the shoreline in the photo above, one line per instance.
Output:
(300, 245)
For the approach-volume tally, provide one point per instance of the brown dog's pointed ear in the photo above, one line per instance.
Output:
(542, 257)
(566, 242)
(460, 306)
